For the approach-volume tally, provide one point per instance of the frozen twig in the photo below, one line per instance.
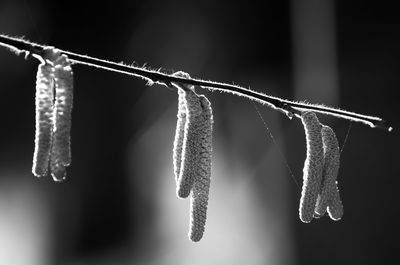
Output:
(290, 108)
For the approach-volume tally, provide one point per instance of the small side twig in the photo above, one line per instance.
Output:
(290, 108)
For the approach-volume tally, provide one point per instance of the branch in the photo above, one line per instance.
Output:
(290, 108)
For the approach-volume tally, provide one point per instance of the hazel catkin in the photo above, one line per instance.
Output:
(54, 90)
(201, 186)
(187, 137)
(191, 144)
(179, 133)
(329, 172)
(44, 118)
(192, 154)
(61, 147)
(180, 125)
(312, 171)
(335, 205)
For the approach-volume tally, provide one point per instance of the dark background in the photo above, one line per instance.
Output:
(118, 204)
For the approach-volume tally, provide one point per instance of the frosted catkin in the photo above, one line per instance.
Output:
(330, 170)
(335, 205)
(44, 119)
(180, 125)
(179, 133)
(201, 186)
(312, 171)
(61, 148)
(191, 145)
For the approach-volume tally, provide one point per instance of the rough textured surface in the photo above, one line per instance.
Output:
(192, 154)
(44, 119)
(312, 171)
(201, 187)
(191, 147)
(54, 95)
(179, 133)
(329, 191)
(61, 148)
(335, 206)
(180, 125)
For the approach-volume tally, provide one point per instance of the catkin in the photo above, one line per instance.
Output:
(192, 154)
(201, 186)
(180, 126)
(191, 143)
(179, 133)
(335, 206)
(186, 142)
(44, 118)
(330, 170)
(61, 150)
(312, 171)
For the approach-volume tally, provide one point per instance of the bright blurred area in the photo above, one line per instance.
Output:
(119, 205)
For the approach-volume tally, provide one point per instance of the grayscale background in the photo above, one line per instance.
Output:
(118, 205)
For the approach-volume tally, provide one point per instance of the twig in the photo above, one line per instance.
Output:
(290, 108)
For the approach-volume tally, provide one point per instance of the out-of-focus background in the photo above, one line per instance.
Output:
(118, 204)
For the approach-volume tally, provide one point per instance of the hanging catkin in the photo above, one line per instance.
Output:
(180, 126)
(44, 118)
(192, 153)
(187, 135)
(312, 171)
(335, 205)
(179, 133)
(329, 174)
(191, 146)
(201, 186)
(61, 150)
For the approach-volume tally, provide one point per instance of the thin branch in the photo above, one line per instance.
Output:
(290, 108)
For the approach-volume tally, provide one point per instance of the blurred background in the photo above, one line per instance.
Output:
(118, 204)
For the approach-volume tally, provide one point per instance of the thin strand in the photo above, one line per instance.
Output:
(277, 146)
(346, 137)
(290, 108)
